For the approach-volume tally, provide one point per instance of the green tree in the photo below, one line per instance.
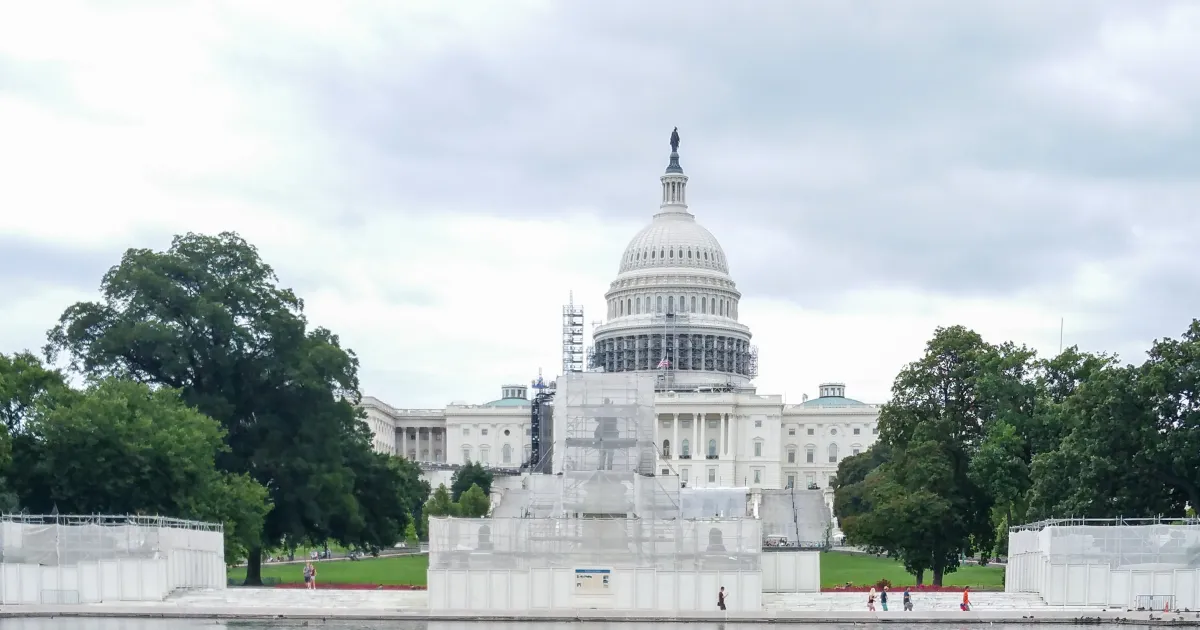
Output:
(25, 384)
(206, 317)
(470, 474)
(439, 504)
(123, 448)
(474, 503)
(410, 533)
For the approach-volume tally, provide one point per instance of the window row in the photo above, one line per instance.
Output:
(506, 455)
(810, 453)
(685, 449)
(467, 431)
(659, 304)
(834, 431)
(676, 253)
(685, 474)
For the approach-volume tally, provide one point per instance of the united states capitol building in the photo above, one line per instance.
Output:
(672, 310)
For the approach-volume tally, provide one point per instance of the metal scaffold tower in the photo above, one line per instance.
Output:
(671, 348)
(572, 337)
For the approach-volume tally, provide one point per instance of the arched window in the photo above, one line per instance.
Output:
(666, 453)
(506, 454)
(638, 305)
(712, 448)
(484, 452)
(693, 304)
(713, 305)
(833, 454)
(629, 306)
(466, 455)
(485, 537)
(687, 449)
(716, 542)
(658, 304)
(810, 454)
(671, 304)
(791, 455)
(620, 307)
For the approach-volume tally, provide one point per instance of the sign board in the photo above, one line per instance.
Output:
(593, 582)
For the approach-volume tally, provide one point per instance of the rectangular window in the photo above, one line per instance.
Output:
(758, 449)
(809, 455)
(683, 475)
(666, 471)
(810, 430)
(854, 452)
(874, 430)
(791, 481)
(466, 430)
(466, 456)
(528, 431)
(758, 424)
(483, 432)
(757, 475)
(712, 424)
(809, 480)
(856, 431)
(791, 457)
(791, 430)
(712, 475)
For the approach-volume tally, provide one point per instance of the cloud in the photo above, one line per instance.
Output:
(435, 179)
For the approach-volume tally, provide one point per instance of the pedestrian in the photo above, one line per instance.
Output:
(907, 599)
(871, 600)
(310, 576)
(966, 602)
(721, 598)
(883, 598)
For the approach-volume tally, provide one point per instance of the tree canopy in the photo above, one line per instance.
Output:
(207, 318)
(978, 437)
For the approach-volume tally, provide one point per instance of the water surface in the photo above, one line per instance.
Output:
(193, 624)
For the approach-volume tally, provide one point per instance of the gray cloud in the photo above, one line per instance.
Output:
(27, 267)
(887, 144)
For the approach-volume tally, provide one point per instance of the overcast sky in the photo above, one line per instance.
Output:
(434, 177)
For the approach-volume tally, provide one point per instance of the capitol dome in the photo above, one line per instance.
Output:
(673, 308)
(674, 240)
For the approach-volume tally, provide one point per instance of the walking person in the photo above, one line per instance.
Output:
(883, 599)
(721, 595)
(310, 576)
(907, 599)
(871, 600)
(966, 602)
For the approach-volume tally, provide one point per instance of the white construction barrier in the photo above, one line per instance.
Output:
(82, 560)
(791, 571)
(618, 564)
(1122, 563)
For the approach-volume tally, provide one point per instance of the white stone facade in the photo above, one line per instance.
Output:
(672, 310)
(720, 440)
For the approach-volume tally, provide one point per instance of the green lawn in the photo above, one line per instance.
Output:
(836, 569)
(408, 570)
(862, 570)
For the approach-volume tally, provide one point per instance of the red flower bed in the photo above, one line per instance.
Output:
(356, 587)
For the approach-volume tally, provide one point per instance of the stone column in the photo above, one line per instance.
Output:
(722, 424)
(675, 437)
(404, 442)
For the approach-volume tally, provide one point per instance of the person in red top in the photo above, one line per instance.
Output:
(966, 603)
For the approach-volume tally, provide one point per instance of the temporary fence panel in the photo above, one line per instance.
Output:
(1112, 564)
(791, 571)
(72, 559)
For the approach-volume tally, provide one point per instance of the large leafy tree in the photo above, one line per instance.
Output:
(470, 474)
(121, 447)
(207, 318)
(924, 506)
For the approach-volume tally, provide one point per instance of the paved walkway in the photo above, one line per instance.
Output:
(399, 605)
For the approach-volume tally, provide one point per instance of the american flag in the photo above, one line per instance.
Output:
(664, 364)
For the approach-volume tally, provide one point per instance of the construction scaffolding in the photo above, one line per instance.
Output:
(1118, 543)
(572, 336)
(619, 543)
(604, 423)
(53, 540)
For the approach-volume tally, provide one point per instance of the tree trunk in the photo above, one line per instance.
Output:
(254, 567)
(920, 577)
(938, 572)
